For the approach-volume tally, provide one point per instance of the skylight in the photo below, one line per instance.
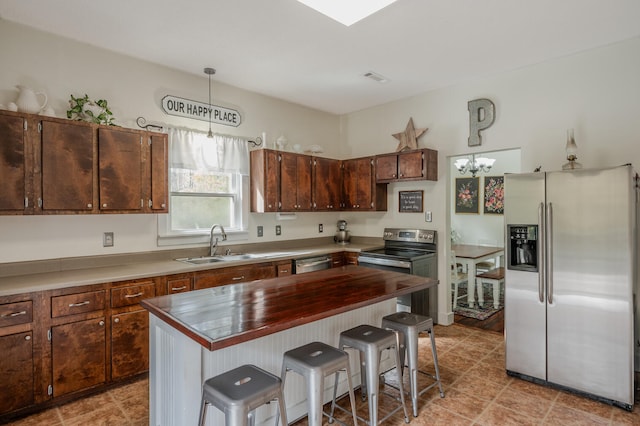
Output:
(347, 12)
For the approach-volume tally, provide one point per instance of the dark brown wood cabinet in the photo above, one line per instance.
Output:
(327, 180)
(129, 343)
(337, 259)
(350, 258)
(78, 355)
(419, 164)
(179, 283)
(360, 192)
(158, 170)
(67, 171)
(16, 371)
(120, 171)
(55, 166)
(295, 182)
(233, 275)
(265, 181)
(284, 268)
(14, 198)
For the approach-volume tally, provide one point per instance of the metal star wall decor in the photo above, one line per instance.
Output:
(409, 138)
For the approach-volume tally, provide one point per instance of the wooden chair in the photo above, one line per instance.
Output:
(457, 276)
(495, 277)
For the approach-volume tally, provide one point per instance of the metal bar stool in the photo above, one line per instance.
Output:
(315, 361)
(239, 392)
(371, 341)
(409, 326)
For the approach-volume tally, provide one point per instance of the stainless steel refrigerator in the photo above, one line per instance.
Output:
(571, 280)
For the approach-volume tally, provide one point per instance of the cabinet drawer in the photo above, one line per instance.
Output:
(178, 284)
(284, 269)
(16, 313)
(79, 303)
(131, 295)
(233, 275)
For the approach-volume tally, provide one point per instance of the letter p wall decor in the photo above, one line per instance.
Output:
(481, 117)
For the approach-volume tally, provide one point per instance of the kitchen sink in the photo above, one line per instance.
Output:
(203, 260)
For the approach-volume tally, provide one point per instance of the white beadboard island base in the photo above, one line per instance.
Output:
(179, 366)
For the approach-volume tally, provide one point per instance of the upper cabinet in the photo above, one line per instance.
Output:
(360, 192)
(295, 182)
(327, 180)
(14, 198)
(265, 181)
(120, 160)
(289, 182)
(421, 164)
(67, 172)
(56, 166)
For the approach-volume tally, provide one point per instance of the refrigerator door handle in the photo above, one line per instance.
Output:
(549, 253)
(541, 259)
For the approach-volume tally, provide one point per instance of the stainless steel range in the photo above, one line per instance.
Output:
(412, 251)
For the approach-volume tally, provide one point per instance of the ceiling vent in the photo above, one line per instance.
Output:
(376, 77)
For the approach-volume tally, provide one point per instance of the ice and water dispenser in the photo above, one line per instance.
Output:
(522, 251)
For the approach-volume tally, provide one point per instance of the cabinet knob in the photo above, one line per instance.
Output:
(104, 205)
(117, 320)
(164, 206)
(27, 337)
(101, 323)
(89, 205)
(270, 206)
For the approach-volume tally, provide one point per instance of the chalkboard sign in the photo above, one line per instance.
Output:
(410, 201)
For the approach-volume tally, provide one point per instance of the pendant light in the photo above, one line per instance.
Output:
(210, 72)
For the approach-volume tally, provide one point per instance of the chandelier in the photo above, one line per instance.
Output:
(475, 165)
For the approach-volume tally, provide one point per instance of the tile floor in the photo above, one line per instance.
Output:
(478, 392)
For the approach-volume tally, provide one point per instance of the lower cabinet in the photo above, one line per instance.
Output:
(16, 371)
(129, 344)
(233, 275)
(337, 259)
(350, 258)
(78, 354)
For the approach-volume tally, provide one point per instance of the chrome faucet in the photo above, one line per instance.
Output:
(213, 245)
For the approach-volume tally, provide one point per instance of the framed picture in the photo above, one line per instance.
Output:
(410, 202)
(467, 195)
(494, 194)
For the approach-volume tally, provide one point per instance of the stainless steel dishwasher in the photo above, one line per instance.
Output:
(310, 264)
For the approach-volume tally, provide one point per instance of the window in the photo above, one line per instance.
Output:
(207, 183)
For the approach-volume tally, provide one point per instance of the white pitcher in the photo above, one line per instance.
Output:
(28, 100)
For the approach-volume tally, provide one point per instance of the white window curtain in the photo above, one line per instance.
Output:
(194, 150)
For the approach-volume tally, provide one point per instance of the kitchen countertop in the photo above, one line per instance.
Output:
(223, 316)
(49, 280)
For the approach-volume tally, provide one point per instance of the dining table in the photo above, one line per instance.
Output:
(470, 255)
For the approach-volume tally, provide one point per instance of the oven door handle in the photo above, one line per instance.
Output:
(384, 262)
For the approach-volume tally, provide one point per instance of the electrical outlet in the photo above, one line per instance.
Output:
(427, 217)
(260, 231)
(107, 239)
(320, 229)
(278, 230)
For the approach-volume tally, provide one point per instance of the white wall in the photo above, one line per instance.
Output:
(595, 92)
(61, 67)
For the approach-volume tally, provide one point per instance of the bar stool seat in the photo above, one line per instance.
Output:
(409, 326)
(239, 392)
(315, 361)
(371, 341)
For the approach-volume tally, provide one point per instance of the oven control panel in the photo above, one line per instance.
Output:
(412, 235)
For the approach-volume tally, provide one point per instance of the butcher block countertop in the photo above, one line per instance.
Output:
(223, 316)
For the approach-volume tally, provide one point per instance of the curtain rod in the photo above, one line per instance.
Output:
(142, 123)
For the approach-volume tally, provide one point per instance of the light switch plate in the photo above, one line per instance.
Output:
(107, 239)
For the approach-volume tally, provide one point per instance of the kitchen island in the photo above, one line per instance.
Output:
(200, 334)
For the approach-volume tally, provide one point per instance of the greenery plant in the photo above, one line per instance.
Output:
(87, 110)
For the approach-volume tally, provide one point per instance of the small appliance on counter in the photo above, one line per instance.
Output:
(342, 236)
